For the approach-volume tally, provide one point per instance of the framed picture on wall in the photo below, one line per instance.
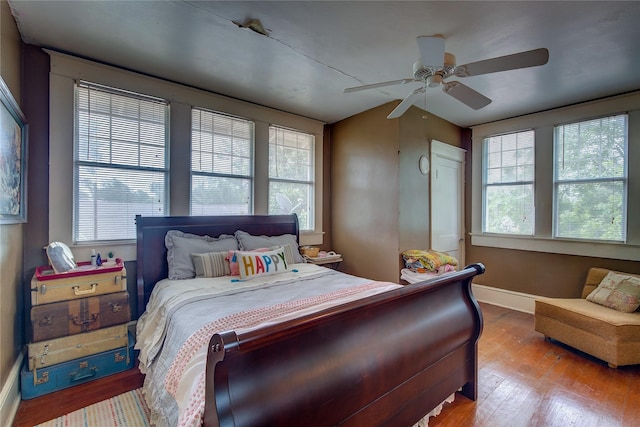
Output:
(13, 159)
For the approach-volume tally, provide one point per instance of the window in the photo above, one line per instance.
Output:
(508, 191)
(590, 179)
(120, 166)
(291, 175)
(221, 164)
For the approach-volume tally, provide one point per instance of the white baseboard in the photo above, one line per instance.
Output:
(504, 298)
(10, 394)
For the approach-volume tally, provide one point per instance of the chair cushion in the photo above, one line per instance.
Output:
(583, 314)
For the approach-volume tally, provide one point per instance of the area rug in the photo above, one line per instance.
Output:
(128, 409)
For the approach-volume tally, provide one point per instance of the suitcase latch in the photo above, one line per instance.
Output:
(44, 378)
(46, 321)
(115, 308)
(118, 358)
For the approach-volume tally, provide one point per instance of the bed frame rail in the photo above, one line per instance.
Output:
(386, 360)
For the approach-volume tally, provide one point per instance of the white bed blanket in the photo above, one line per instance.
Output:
(179, 309)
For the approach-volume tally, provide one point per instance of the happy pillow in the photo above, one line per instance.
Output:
(252, 264)
(232, 258)
(618, 291)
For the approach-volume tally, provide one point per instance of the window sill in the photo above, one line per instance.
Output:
(620, 251)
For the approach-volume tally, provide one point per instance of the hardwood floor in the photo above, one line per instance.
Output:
(523, 381)
(526, 381)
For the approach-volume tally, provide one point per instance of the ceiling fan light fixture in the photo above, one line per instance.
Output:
(434, 80)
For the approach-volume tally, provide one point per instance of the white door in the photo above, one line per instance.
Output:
(447, 199)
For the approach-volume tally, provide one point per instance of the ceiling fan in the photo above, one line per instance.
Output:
(436, 65)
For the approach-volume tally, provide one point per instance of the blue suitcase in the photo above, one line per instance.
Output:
(78, 371)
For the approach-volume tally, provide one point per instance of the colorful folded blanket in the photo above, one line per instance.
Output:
(422, 261)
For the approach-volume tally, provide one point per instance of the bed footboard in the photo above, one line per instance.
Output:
(388, 360)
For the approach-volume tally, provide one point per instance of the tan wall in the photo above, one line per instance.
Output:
(327, 243)
(11, 240)
(379, 199)
(538, 273)
(364, 193)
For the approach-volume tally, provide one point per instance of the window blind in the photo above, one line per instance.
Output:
(221, 164)
(120, 162)
(590, 179)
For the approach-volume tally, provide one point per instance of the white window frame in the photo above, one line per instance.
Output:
(583, 180)
(516, 182)
(198, 172)
(310, 183)
(113, 165)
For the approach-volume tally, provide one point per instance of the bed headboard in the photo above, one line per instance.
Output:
(151, 253)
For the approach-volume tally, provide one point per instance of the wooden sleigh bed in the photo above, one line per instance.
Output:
(385, 360)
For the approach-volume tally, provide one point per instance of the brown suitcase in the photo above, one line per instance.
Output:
(58, 350)
(60, 287)
(72, 317)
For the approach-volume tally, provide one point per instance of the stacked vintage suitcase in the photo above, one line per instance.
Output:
(79, 328)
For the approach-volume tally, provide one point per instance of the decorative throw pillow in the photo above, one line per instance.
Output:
(253, 264)
(232, 259)
(248, 242)
(211, 264)
(181, 245)
(618, 291)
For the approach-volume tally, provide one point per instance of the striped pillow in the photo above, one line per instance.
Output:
(288, 253)
(211, 264)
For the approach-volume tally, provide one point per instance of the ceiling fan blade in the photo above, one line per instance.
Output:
(431, 50)
(530, 58)
(406, 103)
(375, 85)
(466, 95)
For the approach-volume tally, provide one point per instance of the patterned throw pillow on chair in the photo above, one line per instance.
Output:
(618, 291)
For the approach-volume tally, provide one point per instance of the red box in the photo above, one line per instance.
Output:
(45, 272)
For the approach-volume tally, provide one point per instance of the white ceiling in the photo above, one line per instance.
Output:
(316, 49)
